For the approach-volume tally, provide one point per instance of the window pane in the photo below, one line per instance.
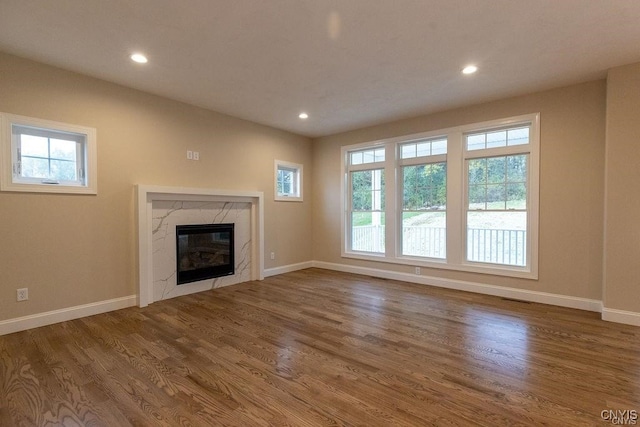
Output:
(425, 187)
(280, 181)
(423, 149)
(379, 155)
(367, 156)
(476, 142)
(497, 183)
(477, 171)
(439, 147)
(407, 151)
(415, 187)
(518, 136)
(438, 179)
(34, 146)
(497, 139)
(477, 197)
(496, 196)
(284, 181)
(367, 190)
(286, 187)
(516, 196)
(496, 170)
(356, 158)
(497, 237)
(63, 150)
(63, 170)
(517, 168)
(367, 203)
(34, 167)
(287, 176)
(424, 234)
(367, 231)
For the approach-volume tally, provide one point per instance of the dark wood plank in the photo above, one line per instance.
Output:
(316, 347)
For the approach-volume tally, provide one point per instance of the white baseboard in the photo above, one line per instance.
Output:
(50, 317)
(287, 268)
(621, 316)
(480, 288)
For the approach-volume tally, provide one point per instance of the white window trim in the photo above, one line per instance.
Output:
(7, 182)
(456, 190)
(400, 164)
(371, 166)
(298, 185)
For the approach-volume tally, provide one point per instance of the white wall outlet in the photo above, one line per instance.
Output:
(418, 271)
(189, 155)
(196, 155)
(22, 294)
(273, 255)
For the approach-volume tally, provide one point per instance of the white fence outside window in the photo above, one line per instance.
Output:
(493, 246)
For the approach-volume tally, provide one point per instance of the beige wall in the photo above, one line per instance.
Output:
(571, 187)
(73, 250)
(622, 181)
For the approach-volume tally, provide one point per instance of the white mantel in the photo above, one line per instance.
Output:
(148, 194)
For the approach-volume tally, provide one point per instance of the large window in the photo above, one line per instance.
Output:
(497, 210)
(45, 156)
(463, 198)
(367, 200)
(423, 168)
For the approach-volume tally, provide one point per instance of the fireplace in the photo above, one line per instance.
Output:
(204, 251)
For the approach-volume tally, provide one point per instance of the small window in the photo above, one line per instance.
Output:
(48, 157)
(367, 156)
(288, 181)
(498, 138)
(434, 147)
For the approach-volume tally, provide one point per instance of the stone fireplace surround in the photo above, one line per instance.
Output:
(160, 208)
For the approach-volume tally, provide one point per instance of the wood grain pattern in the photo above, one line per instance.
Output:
(314, 348)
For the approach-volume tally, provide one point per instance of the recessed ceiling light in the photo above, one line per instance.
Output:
(139, 58)
(469, 69)
(303, 116)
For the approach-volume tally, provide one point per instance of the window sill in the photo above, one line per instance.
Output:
(489, 269)
(287, 199)
(48, 188)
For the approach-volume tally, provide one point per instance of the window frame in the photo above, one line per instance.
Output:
(297, 169)
(456, 198)
(402, 163)
(83, 135)
(364, 167)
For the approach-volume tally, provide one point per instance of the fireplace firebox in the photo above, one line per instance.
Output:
(204, 251)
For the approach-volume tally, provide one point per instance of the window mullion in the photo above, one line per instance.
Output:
(49, 158)
(456, 194)
(390, 210)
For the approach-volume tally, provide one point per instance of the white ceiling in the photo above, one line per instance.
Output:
(348, 63)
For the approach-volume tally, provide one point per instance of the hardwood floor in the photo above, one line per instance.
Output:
(317, 347)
